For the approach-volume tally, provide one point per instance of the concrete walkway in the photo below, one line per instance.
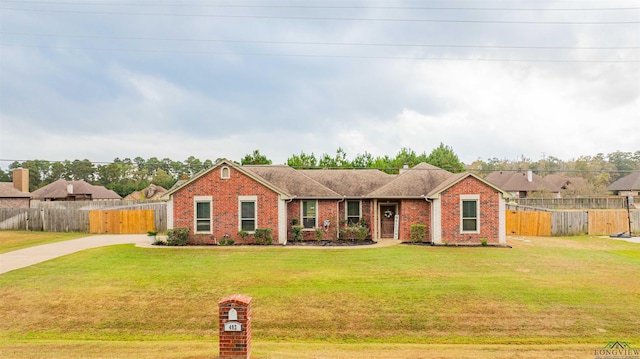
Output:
(29, 256)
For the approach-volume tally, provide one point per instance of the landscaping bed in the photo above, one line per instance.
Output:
(332, 243)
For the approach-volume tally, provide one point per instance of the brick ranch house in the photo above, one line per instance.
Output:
(226, 198)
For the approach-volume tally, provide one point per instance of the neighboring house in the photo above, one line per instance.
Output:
(627, 185)
(16, 194)
(63, 190)
(150, 193)
(226, 198)
(570, 186)
(521, 184)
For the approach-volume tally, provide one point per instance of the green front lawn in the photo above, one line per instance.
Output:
(550, 293)
(14, 240)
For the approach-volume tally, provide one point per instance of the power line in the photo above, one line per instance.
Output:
(338, 7)
(203, 165)
(139, 38)
(362, 57)
(272, 17)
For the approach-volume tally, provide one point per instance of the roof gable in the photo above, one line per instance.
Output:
(220, 164)
(151, 192)
(413, 182)
(566, 182)
(459, 177)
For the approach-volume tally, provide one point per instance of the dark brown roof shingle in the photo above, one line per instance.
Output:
(59, 190)
(352, 182)
(291, 181)
(414, 182)
(512, 181)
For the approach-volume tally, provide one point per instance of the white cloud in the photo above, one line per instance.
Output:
(77, 103)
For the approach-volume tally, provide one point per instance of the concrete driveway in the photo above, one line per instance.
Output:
(32, 255)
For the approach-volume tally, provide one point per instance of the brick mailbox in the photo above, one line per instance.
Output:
(235, 327)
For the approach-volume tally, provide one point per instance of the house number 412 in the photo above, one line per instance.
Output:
(232, 327)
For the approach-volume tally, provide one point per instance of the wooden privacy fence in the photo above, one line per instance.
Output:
(44, 219)
(570, 223)
(611, 202)
(528, 223)
(59, 216)
(121, 221)
(610, 222)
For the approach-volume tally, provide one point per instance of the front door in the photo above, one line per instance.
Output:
(387, 218)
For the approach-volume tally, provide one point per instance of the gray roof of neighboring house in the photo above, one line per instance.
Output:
(352, 182)
(7, 190)
(413, 182)
(59, 190)
(630, 182)
(511, 181)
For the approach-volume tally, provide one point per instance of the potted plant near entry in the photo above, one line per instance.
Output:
(152, 236)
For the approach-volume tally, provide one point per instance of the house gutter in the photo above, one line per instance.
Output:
(338, 215)
(286, 215)
(431, 215)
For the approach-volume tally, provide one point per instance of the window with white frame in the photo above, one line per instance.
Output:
(470, 214)
(203, 214)
(309, 214)
(248, 213)
(354, 211)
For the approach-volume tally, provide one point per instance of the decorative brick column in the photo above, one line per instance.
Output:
(235, 327)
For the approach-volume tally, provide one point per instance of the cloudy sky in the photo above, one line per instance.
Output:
(101, 79)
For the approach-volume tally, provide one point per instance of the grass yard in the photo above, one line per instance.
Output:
(13, 240)
(551, 297)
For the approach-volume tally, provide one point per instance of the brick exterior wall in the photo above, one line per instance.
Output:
(488, 216)
(414, 211)
(327, 210)
(235, 345)
(224, 206)
(225, 211)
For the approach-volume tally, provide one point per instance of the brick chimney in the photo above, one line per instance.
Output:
(21, 179)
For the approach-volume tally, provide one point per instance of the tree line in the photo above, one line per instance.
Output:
(125, 176)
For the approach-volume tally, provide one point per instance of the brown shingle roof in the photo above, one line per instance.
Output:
(7, 190)
(294, 182)
(151, 192)
(414, 182)
(58, 190)
(419, 181)
(566, 182)
(350, 183)
(511, 181)
(630, 182)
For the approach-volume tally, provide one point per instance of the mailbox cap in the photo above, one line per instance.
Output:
(236, 298)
